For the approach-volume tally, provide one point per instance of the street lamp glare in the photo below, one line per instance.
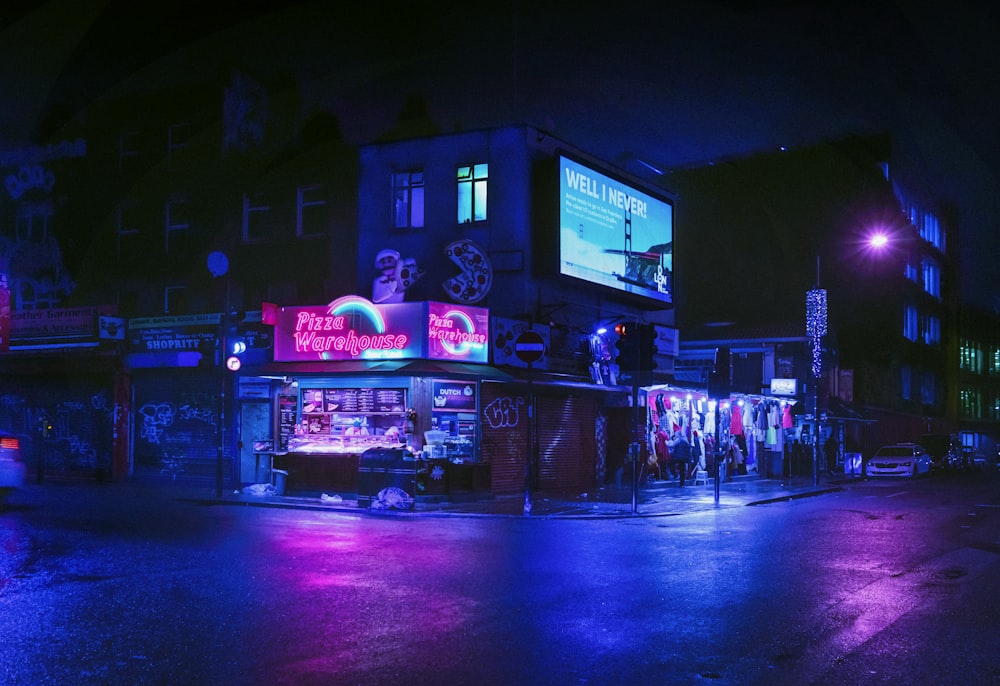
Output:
(878, 240)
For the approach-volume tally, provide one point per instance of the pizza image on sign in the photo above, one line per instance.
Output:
(473, 282)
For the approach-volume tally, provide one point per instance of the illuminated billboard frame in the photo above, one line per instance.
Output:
(614, 235)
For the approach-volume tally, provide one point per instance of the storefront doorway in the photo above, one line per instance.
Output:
(256, 443)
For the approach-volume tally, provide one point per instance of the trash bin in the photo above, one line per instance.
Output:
(280, 476)
(380, 468)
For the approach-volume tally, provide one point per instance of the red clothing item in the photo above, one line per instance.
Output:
(662, 452)
(736, 425)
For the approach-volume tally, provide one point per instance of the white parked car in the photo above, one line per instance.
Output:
(901, 459)
(12, 469)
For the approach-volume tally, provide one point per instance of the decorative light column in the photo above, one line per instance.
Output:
(816, 329)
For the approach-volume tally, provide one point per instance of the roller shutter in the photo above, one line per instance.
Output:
(504, 427)
(567, 443)
(176, 427)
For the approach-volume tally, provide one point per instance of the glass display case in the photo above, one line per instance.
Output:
(349, 420)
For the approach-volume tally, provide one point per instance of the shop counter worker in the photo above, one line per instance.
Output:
(356, 429)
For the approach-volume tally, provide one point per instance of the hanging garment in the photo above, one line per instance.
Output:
(787, 421)
(737, 420)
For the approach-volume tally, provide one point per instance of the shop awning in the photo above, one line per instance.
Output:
(380, 367)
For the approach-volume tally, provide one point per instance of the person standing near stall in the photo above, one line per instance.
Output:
(680, 453)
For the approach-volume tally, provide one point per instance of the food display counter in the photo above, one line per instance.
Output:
(335, 426)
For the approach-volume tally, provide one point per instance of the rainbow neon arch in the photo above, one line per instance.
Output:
(365, 308)
(466, 346)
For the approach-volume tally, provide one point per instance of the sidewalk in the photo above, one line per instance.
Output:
(664, 498)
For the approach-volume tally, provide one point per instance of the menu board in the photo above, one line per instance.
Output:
(354, 400)
(286, 421)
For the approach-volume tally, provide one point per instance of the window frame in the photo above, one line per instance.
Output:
(411, 184)
(472, 190)
(302, 203)
(169, 225)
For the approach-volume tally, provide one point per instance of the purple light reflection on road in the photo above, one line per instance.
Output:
(364, 612)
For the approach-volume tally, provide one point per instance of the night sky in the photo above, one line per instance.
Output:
(670, 84)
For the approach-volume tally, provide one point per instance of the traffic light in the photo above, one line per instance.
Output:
(719, 379)
(628, 345)
(235, 343)
(647, 347)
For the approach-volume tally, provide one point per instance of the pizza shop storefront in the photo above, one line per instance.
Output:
(353, 381)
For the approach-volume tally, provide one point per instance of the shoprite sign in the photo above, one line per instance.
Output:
(353, 328)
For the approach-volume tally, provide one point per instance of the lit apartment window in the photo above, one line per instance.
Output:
(309, 215)
(932, 278)
(995, 409)
(174, 213)
(994, 365)
(928, 389)
(910, 323)
(408, 200)
(472, 183)
(931, 330)
(906, 383)
(930, 231)
(971, 357)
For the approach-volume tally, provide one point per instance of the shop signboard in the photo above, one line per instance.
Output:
(457, 332)
(349, 328)
(454, 396)
(784, 386)
(56, 324)
(353, 328)
(181, 341)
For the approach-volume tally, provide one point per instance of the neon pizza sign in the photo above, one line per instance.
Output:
(457, 332)
(353, 328)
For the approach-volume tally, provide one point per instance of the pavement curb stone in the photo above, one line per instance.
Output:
(662, 499)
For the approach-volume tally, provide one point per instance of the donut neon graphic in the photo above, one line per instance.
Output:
(357, 307)
(465, 347)
(354, 302)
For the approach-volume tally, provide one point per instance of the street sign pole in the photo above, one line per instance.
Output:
(529, 452)
(529, 348)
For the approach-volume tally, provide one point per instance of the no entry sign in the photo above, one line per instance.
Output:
(529, 346)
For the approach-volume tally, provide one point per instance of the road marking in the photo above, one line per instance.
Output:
(895, 494)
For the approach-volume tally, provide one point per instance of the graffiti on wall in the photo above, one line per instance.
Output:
(504, 412)
(80, 433)
(171, 428)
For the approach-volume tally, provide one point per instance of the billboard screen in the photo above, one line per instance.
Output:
(614, 235)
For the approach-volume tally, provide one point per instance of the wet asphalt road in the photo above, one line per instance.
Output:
(892, 582)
